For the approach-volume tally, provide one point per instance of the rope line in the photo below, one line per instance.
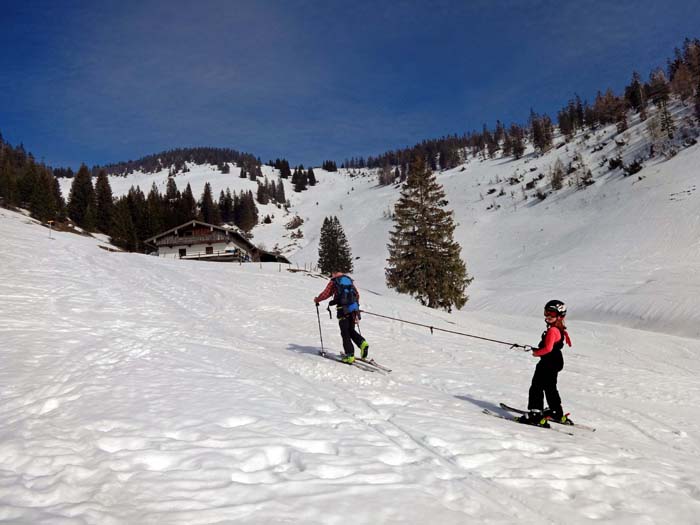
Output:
(527, 348)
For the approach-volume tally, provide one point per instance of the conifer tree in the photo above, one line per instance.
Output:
(285, 170)
(209, 211)
(667, 124)
(188, 206)
(327, 247)
(155, 212)
(344, 252)
(424, 260)
(8, 183)
(137, 208)
(29, 176)
(58, 199)
(334, 253)
(81, 201)
(43, 205)
(172, 202)
(279, 194)
(122, 230)
(299, 179)
(245, 212)
(262, 195)
(517, 141)
(311, 177)
(636, 97)
(226, 206)
(105, 202)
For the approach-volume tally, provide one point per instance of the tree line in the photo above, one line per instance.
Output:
(29, 184)
(175, 160)
(681, 77)
(131, 218)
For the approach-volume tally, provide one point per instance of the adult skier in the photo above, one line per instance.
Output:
(544, 381)
(346, 299)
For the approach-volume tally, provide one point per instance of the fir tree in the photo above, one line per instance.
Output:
(58, 199)
(29, 176)
(299, 179)
(172, 202)
(8, 183)
(517, 141)
(209, 211)
(327, 247)
(81, 201)
(122, 231)
(226, 206)
(245, 212)
(424, 260)
(311, 177)
(329, 165)
(635, 96)
(344, 253)
(155, 212)
(279, 194)
(667, 124)
(137, 208)
(334, 253)
(43, 205)
(105, 202)
(188, 206)
(262, 195)
(285, 170)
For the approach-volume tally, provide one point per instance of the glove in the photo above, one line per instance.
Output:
(316, 301)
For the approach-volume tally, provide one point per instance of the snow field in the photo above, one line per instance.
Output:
(141, 390)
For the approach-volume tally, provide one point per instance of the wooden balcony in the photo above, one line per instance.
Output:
(177, 240)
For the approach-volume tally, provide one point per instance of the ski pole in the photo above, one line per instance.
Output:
(320, 333)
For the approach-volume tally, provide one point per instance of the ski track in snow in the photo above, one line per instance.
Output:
(142, 390)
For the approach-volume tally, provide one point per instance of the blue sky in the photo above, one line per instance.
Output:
(104, 81)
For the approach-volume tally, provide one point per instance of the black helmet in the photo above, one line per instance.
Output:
(556, 306)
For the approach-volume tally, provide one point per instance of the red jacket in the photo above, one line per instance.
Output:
(552, 336)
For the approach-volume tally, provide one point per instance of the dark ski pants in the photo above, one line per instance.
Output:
(544, 382)
(349, 334)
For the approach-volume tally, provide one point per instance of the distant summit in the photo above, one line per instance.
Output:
(176, 160)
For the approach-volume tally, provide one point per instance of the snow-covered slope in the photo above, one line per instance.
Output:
(596, 247)
(624, 250)
(143, 390)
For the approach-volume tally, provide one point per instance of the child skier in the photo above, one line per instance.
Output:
(346, 299)
(544, 381)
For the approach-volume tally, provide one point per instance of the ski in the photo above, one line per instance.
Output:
(372, 362)
(499, 416)
(357, 364)
(521, 411)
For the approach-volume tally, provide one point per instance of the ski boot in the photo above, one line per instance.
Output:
(348, 359)
(533, 417)
(364, 349)
(558, 416)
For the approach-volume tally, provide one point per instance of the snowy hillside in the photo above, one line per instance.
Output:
(623, 250)
(144, 390)
(140, 390)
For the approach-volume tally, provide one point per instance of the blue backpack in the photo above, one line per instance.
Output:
(345, 295)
